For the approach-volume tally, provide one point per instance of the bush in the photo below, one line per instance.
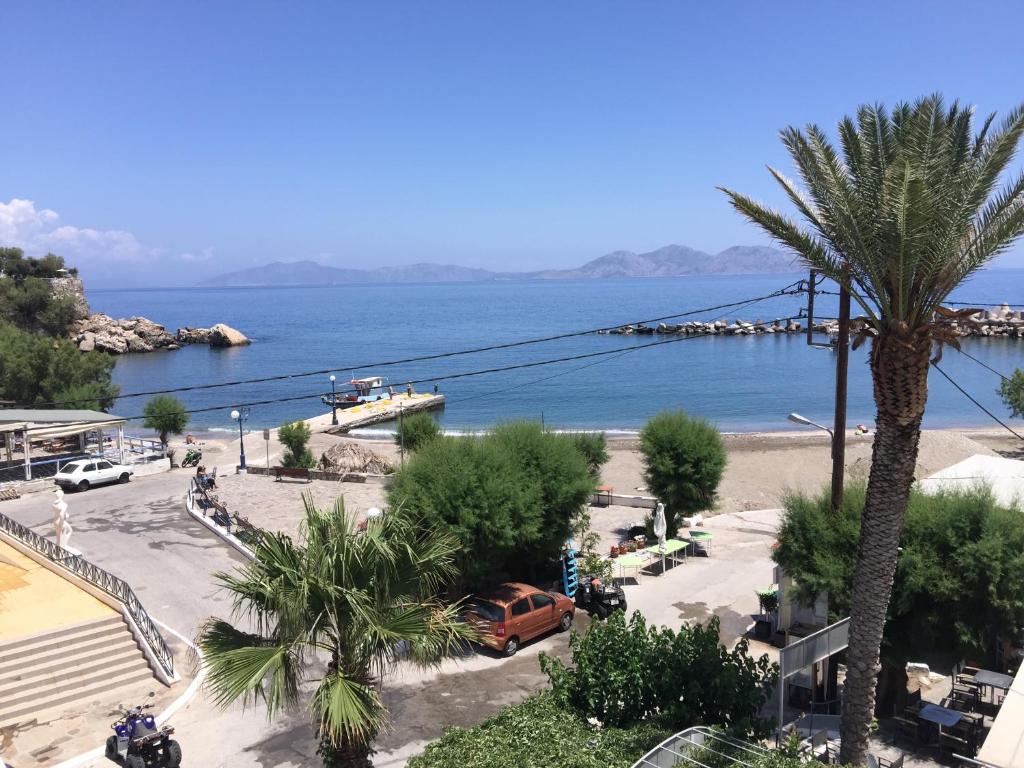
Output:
(594, 447)
(510, 497)
(683, 463)
(294, 438)
(958, 577)
(538, 734)
(624, 673)
(167, 416)
(416, 430)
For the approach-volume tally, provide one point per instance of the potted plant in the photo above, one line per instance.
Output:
(768, 604)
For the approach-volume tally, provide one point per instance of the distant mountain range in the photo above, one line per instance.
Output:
(670, 261)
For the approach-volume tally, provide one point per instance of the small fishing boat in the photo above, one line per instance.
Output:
(366, 390)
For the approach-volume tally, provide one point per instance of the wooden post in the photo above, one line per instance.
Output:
(839, 426)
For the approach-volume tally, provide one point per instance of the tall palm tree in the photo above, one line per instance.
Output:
(905, 214)
(341, 608)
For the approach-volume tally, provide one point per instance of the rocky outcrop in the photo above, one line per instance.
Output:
(139, 334)
(193, 336)
(135, 334)
(73, 289)
(225, 336)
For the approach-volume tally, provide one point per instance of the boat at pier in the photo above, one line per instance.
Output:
(365, 390)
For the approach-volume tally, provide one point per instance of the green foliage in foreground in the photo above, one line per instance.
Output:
(684, 459)
(958, 577)
(1012, 392)
(624, 673)
(510, 497)
(294, 438)
(537, 733)
(166, 415)
(38, 369)
(416, 430)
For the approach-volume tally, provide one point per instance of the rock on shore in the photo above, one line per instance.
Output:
(139, 334)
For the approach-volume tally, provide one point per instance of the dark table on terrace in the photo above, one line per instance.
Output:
(933, 713)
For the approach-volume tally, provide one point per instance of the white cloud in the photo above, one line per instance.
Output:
(36, 231)
(206, 254)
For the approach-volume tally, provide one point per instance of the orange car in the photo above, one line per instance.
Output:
(513, 613)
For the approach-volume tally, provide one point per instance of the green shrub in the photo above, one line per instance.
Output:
(294, 438)
(623, 673)
(538, 734)
(510, 497)
(1012, 392)
(416, 430)
(958, 577)
(684, 459)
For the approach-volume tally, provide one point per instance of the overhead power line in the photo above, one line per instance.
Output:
(789, 290)
(984, 365)
(466, 374)
(968, 395)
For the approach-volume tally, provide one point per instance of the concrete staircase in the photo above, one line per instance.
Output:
(54, 671)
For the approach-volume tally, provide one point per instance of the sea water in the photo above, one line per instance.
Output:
(742, 383)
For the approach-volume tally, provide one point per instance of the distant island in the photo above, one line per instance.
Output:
(669, 261)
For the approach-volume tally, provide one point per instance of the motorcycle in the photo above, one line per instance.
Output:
(192, 458)
(600, 599)
(138, 742)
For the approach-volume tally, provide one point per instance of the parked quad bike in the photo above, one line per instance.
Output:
(599, 599)
(138, 742)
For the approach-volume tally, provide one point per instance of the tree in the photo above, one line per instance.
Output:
(594, 447)
(510, 496)
(683, 463)
(294, 437)
(40, 369)
(626, 672)
(957, 582)
(900, 218)
(1012, 392)
(364, 601)
(167, 416)
(416, 430)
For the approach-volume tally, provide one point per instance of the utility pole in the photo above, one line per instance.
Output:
(842, 350)
(842, 369)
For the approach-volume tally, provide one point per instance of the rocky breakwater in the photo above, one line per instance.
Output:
(139, 334)
(998, 322)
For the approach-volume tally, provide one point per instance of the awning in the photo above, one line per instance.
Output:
(1004, 745)
(47, 431)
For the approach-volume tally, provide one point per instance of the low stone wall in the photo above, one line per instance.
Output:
(335, 477)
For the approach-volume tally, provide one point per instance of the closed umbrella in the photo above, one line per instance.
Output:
(660, 527)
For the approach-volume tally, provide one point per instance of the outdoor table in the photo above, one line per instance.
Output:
(986, 677)
(603, 495)
(701, 542)
(940, 716)
(635, 560)
(672, 547)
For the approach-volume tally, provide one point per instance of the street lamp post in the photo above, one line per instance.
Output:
(334, 403)
(401, 431)
(838, 462)
(240, 415)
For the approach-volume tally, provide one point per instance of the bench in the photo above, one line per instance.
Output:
(299, 473)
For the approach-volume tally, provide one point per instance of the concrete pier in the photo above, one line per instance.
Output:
(387, 409)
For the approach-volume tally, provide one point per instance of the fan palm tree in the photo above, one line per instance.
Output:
(908, 210)
(340, 609)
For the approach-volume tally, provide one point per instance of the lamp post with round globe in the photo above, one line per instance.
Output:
(240, 415)
(334, 402)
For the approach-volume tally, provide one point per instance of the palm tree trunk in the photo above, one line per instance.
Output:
(345, 754)
(899, 367)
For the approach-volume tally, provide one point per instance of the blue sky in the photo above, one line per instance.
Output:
(163, 142)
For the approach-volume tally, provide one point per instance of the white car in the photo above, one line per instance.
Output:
(84, 473)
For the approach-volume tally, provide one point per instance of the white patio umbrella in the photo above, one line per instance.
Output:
(660, 528)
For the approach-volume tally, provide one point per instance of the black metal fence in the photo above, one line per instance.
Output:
(112, 585)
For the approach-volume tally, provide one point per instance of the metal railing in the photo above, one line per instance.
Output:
(112, 585)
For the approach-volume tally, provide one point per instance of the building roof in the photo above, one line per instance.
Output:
(1004, 476)
(53, 416)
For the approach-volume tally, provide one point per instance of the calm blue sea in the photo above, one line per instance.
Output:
(741, 383)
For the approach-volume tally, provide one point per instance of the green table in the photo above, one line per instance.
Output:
(701, 541)
(635, 560)
(672, 549)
